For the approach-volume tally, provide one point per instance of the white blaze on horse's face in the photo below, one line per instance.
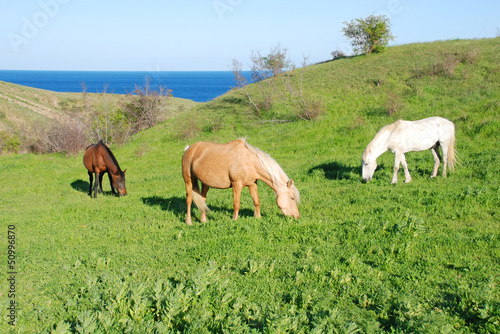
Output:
(287, 199)
(369, 167)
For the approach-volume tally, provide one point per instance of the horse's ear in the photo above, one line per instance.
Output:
(124, 170)
(289, 184)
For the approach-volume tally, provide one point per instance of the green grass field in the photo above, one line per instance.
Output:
(363, 258)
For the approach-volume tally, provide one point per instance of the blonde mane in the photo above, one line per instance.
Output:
(272, 167)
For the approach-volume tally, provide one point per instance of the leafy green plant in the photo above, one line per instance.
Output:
(9, 143)
(369, 35)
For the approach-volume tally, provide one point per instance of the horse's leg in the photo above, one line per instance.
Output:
(101, 174)
(189, 200)
(111, 184)
(204, 190)
(397, 160)
(405, 167)
(96, 183)
(91, 180)
(437, 159)
(237, 186)
(255, 196)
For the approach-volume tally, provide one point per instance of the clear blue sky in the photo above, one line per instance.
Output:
(152, 35)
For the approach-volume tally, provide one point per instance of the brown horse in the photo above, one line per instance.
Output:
(98, 159)
(236, 164)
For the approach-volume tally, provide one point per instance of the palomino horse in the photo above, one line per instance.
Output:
(407, 136)
(236, 164)
(99, 159)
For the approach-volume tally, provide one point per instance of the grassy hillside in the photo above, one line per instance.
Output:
(25, 109)
(376, 257)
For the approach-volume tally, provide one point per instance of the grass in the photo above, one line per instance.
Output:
(418, 257)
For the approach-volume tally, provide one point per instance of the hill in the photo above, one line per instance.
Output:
(409, 81)
(24, 108)
(371, 258)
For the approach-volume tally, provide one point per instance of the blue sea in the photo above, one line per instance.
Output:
(199, 86)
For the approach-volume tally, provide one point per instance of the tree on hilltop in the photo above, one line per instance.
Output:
(370, 35)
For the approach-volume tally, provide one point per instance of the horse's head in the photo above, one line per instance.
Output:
(287, 198)
(368, 165)
(119, 182)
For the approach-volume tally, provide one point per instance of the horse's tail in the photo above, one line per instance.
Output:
(199, 202)
(452, 156)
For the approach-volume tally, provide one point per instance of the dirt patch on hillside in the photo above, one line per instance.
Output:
(35, 107)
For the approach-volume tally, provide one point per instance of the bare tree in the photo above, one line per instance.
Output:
(273, 78)
(242, 82)
(86, 102)
(264, 69)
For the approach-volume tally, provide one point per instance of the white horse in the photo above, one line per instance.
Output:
(410, 136)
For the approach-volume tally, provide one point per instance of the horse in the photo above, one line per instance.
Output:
(235, 164)
(411, 136)
(98, 159)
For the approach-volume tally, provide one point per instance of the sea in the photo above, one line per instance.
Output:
(199, 86)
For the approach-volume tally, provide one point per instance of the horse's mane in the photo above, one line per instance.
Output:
(110, 154)
(272, 167)
(387, 128)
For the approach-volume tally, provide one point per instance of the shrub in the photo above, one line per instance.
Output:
(337, 54)
(9, 143)
(445, 65)
(310, 108)
(106, 121)
(393, 104)
(144, 106)
(109, 125)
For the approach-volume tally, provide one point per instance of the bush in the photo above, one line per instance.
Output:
(446, 63)
(9, 143)
(68, 137)
(310, 108)
(109, 125)
(143, 108)
(393, 104)
(337, 54)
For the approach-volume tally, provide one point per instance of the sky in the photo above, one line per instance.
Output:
(206, 35)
